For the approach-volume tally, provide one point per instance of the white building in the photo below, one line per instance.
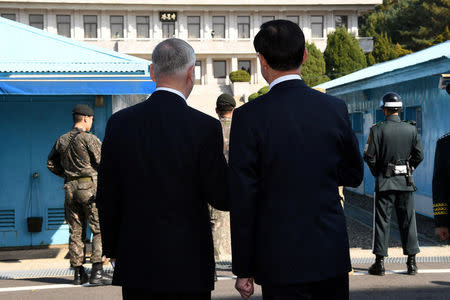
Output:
(221, 32)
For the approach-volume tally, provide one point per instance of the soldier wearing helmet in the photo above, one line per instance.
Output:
(392, 152)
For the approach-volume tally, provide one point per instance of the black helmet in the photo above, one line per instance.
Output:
(391, 100)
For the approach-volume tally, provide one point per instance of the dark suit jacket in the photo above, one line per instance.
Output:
(441, 181)
(289, 151)
(162, 162)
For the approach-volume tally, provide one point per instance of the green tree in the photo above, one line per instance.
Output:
(384, 49)
(343, 54)
(414, 24)
(313, 71)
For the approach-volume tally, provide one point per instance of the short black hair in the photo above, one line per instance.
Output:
(224, 107)
(282, 44)
(77, 118)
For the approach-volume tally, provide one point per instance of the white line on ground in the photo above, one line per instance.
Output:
(65, 286)
(429, 271)
(38, 287)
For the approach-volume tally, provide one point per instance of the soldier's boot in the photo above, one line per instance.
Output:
(411, 265)
(378, 267)
(98, 276)
(80, 276)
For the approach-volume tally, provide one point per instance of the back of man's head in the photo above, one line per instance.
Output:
(171, 57)
(225, 103)
(282, 44)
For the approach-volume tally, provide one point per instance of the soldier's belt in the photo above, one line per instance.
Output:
(79, 179)
(400, 170)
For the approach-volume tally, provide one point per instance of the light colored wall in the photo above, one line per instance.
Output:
(230, 48)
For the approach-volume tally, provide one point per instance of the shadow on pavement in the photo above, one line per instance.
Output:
(446, 283)
(402, 293)
(51, 280)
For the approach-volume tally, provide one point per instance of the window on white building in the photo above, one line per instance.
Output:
(220, 69)
(198, 72)
(168, 29)
(63, 25)
(143, 27)
(265, 19)
(193, 25)
(340, 21)
(294, 19)
(11, 17)
(243, 27)
(37, 21)
(218, 27)
(244, 65)
(116, 27)
(317, 26)
(90, 27)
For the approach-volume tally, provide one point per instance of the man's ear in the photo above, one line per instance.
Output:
(305, 55)
(152, 73)
(263, 61)
(190, 74)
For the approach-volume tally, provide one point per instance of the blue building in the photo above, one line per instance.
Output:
(420, 79)
(42, 77)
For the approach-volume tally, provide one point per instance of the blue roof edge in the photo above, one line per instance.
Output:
(389, 66)
(434, 67)
(74, 43)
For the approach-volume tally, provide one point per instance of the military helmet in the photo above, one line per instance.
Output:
(391, 100)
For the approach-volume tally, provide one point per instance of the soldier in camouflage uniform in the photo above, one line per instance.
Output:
(392, 152)
(441, 187)
(225, 105)
(76, 157)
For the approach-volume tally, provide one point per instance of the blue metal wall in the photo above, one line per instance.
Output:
(434, 104)
(29, 126)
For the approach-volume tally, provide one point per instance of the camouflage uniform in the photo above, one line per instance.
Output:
(76, 157)
(221, 219)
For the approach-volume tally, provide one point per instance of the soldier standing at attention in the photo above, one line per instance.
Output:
(76, 157)
(392, 152)
(441, 187)
(220, 220)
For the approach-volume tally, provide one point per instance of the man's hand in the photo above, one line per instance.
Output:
(245, 287)
(442, 233)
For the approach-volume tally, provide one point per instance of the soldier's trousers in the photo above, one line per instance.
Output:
(403, 202)
(80, 209)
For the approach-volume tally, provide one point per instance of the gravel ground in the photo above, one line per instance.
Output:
(360, 235)
(425, 225)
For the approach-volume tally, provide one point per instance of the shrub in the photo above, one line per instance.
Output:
(253, 96)
(262, 91)
(240, 76)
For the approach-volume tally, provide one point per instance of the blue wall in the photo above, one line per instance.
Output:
(29, 126)
(434, 104)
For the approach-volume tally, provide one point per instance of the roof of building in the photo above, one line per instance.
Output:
(213, 2)
(36, 62)
(432, 53)
(28, 49)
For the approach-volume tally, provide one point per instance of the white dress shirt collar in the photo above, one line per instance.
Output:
(284, 78)
(172, 91)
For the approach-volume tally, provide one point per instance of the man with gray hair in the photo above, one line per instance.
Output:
(162, 163)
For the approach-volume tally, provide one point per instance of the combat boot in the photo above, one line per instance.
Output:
(411, 264)
(378, 267)
(98, 276)
(80, 276)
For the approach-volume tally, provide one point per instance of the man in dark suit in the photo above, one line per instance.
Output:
(162, 163)
(290, 149)
(441, 187)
